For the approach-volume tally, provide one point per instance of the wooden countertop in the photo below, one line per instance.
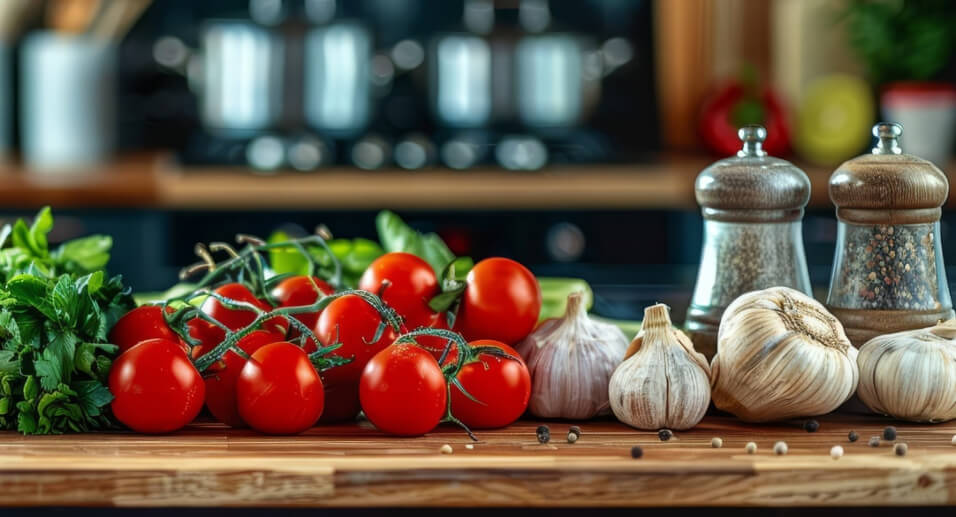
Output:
(155, 181)
(353, 465)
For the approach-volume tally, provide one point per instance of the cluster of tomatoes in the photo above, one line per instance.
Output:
(406, 373)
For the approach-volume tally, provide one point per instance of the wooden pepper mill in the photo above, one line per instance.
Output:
(752, 206)
(888, 270)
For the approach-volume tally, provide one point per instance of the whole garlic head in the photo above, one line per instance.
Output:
(663, 382)
(781, 355)
(571, 359)
(911, 375)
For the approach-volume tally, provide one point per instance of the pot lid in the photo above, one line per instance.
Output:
(753, 181)
(887, 178)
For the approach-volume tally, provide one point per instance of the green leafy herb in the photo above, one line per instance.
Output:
(56, 308)
(355, 255)
(395, 235)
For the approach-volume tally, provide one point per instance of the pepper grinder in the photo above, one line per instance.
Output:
(752, 206)
(888, 271)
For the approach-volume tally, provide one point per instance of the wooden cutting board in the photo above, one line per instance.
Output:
(354, 465)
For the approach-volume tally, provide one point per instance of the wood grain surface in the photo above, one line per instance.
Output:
(354, 465)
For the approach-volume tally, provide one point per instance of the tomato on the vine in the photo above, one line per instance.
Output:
(353, 322)
(436, 345)
(411, 285)
(297, 291)
(142, 323)
(221, 385)
(501, 385)
(403, 391)
(236, 319)
(156, 388)
(502, 300)
(279, 391)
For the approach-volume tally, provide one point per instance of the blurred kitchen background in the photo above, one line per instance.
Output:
(565, 133)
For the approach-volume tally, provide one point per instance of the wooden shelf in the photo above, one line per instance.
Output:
(155, 181)
(354, 465)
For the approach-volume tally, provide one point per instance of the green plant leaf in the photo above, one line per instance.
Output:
(42, 224)
(84, 254)
(92, 396)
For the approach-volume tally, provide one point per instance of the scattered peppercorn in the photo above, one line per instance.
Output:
(637, 452)
(543, 433)
(574, 433)
(836, 452)
(780, 448)
(811, 426)
(751, 447)
(853, 436)
(575, 429)
(665, 434)
(572, 437)
(446, 449)
(874, 441)
(889, 433)
(716, 442)
(900, 449)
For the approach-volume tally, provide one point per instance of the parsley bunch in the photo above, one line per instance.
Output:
(56, 308)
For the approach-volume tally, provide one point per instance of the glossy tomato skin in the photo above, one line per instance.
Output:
(279, 391)
(403, 391)
(412, 284)
(142, 323)
(436, 345)
(236, 319)
(503, 385)
(221, 384)
(351, 321)
(297, 291)
(156, 387)
(501, 301)
(208, 335)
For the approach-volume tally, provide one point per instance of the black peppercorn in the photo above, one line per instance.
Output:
(575, 429)
(900, 449)
(889, 433)
(544, 434)
(811, 426)
(637, 452)
(665, 434)
(853, 436)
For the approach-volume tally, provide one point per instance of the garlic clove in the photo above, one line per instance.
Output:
(781, 355)
(571, 360)
(911, 375)
(663, 381)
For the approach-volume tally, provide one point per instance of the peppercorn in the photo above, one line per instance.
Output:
(574, 433)
(716, 442)
(665, 434)
(780, 448)
(446, 449)
(575, 429)
(836, 452)
(874, 441)
(572, 437)
(900, 449)
(853, 436)
(637, 452)
(811, 426)
(543, 433)
(889, 433)
(751, 447)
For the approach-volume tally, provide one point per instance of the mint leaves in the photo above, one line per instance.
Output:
(56, 308)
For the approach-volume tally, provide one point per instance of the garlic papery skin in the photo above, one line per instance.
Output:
(571, 359)
(911, 375)
(781, 355)
(662, 382)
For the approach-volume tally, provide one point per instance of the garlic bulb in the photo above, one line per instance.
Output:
(911, 375)
(571, 359)
(781, 355)
(663, 382)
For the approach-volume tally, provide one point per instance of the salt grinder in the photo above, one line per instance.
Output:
(888, 271)
(752, 206)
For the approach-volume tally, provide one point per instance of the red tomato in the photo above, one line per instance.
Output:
(403, 391)
(503, 385)
(221, 386)
(156, 388)
(279, 391)
(208, 335)
(142, 323)
(412, 285)
(502, 300)
(297, 291)
(236, 319)
(436, 345)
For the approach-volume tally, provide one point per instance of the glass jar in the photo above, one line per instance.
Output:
(752, 206)
(888, 270)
